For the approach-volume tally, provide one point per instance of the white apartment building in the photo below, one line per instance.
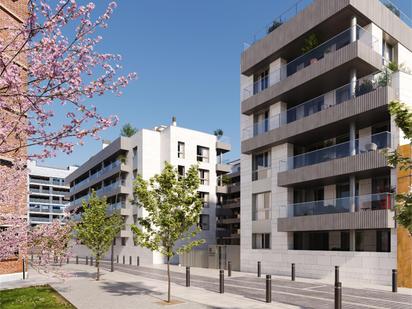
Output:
(46, 200)
(112, 170)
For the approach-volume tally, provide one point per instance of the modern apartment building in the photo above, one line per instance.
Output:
(47, 192)
(112, 170)
(228, 211)
(316, 189)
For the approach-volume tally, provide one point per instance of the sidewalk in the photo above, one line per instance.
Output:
(121, 290)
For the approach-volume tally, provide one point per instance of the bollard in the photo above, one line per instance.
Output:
(130, 260)
(112, 261)
(293, 272)
(117, 259)
(137, 261)
(32, 257)
(268, 288)
(67, 260)
(91, 261)
(336, 275)
(24, 268)
(259, 267)
(77, 259)
(187, 276)
(87, 260)
(221, 281)
(394, 280)
(124, 259)
(229, 269)
(338, 295)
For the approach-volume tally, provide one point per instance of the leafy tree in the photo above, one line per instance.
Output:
(128, 130)
(403, 119)
(173, 208)
(218, 133)
(97, 228)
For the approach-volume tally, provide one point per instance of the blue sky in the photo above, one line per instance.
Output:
(187, 56)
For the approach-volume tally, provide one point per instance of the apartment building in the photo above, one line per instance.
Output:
(316, 189)
(228, 210)
(112, 170)
(47, 193)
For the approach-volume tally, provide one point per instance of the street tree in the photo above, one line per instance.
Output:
(172, 209)
(98, 227)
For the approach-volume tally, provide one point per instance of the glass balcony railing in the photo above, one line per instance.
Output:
(342, 205)
(337, 42)
(398, 12)
(262, 214)
(335, 97)
(261, 173)
(104, 170)
(39, 219)
(342, 150)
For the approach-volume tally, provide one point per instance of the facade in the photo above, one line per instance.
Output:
(12, 14)
(316, 189)
(228, 211)
(112, 170)
(47, 193)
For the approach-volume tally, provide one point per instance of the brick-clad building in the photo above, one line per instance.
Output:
(12, 14)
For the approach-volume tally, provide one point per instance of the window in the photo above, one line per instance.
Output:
(261, 209)
(123, 241)
(387, 52)
(204, 196)
(114, 241)
(260, 123)
(134, 151)
(260, 241)
(204, 177)
(373, 240)
(181, 170)
(202, 154)
(134, 174)
(204, 222)
(260, 165)
(181, 150)
(261, 81)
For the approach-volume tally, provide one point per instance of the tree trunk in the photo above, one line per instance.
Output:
(168, 279)
(98, 267)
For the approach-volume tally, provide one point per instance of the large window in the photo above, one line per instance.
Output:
(181, 150)
(261, 206)
(261, 166)
(204, 177)
(204, 196)
(373, 240)
(181, 170)
(260, 81)
(260, 241)
(202, 154)
(204, 222)
(260, 123)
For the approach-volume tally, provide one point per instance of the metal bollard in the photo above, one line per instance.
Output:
(338, 295)
(87, 260)
(112, 260)
(394, 280)
(32, 257)
(91, 261)
(293, 272)
(130, 260)
(268, 288)
(229, 269)
(77, 259)
(259, 268)
(24, 268)
(137, 261)
(124, 259)
(67, 260)
(336, 275)
(221, 281)
(187, 276)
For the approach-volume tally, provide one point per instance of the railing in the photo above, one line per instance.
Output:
(287, 15)
(39, 200)
(325, 101)
(342, 205)
(116, 206)
(230, 202)
(261, 173)
(97, 174)
(42, 181)
(223, 139)
(342, 150)
(395, 10)
(337, 42)
(262, 214)
(39, 219)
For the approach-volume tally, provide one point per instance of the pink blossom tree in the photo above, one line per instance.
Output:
(49, 66)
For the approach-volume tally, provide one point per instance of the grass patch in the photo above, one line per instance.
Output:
(44, 297)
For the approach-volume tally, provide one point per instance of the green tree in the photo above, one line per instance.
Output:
(403, 119)
(218, 133)
(128, 130)
(97, 228)
(173, 209)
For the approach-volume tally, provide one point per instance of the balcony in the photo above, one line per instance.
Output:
(262, 214)
(321, 103)
(232, 203)
(262, 172)
(223, 144)
(320, 52)
(39, 219)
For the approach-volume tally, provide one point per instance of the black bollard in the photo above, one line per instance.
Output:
(229, 269)
(87, 260)
(24, 268)
(130, 260)
(91, 261)
(124, 259)
(137, 261)
(293, 272)
(336, 275)
(394, 280)
(187, 276)
(268, 288)
(259, 268)
(32, 257)
(338, 295)
(112, 260)
(77, 259)
(221, 281)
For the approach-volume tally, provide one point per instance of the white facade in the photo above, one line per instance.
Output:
(47, 192)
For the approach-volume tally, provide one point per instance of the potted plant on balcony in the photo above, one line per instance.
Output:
(275, 24)
(363, 87)
(311, 42)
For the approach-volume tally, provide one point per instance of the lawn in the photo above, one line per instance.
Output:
(43, 297)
